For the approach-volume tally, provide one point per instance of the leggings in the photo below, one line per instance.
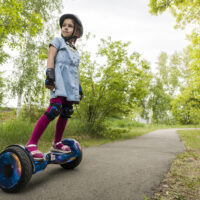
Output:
(43, 122)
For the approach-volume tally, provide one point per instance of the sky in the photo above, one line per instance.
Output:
(128, 20)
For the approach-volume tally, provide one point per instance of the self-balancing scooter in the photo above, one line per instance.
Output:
(17, 165)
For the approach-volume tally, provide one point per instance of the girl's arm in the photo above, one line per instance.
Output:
(51, 56)
(50, 68)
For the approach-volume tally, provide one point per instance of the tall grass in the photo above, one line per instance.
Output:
(18, 131)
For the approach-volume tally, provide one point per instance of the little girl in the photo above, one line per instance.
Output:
(62, 78)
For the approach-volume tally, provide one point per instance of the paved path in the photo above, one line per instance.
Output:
(124, 170)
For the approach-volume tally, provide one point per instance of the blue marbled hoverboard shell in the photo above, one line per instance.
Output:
(16, 162)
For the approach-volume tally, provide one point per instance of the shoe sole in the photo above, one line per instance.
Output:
(38, 159)
(60, 151)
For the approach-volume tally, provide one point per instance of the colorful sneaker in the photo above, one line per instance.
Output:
(36, 154)
(60, 147)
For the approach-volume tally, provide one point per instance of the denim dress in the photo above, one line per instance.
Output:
(66, 71)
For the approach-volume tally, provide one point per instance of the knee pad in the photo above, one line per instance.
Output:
(66, 111)
(54, 111)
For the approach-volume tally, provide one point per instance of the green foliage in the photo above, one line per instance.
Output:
(174, 71)
(159, 102)
(186, 106)
(123, 123)
(2, 86)
(194, 49)
(113, 88)
(17, 18)
(172, 75)
(7, 114)
(26, 16)
(31, 112)
(27, 78)
(185, 11)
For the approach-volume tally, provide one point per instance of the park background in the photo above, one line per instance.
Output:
(139, 69)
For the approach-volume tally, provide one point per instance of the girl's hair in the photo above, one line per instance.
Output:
(77, 29)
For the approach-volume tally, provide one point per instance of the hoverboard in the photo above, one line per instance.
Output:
(17, 164)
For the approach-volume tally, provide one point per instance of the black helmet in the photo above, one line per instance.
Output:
(76, 20)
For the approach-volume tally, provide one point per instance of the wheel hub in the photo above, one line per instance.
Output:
(8, 171)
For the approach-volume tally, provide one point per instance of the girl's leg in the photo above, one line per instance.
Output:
(40, 127)
(60, 127)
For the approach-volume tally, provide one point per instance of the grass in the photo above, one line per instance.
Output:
(183, 179)
(19, 131)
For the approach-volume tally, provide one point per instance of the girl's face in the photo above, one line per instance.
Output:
(67, 27)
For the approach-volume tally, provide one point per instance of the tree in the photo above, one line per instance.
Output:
(2, 85)
(172, 76)
(21, 18)
(185, 12)
(15, 20)
(194, 49)
(32, 45)
(186, 106)
(25, 16)
(163, 69)
(115, 87)
(25, 80)
(159, 102)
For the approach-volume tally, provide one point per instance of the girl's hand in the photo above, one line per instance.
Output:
(51, 87)
(80, 97)
(50, 79)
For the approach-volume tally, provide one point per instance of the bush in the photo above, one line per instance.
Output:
(31, 113)
(124, 123)
(7, 114)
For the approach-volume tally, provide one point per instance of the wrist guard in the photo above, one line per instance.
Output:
(50, 76)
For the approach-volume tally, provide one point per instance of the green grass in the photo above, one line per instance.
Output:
(191, 139)
(19, 131)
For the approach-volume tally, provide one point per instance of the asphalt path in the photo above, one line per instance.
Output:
(125, 170)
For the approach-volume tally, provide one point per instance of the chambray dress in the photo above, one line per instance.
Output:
(66, 71)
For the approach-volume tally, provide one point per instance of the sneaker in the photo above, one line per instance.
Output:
(60, 147)
(36, 154)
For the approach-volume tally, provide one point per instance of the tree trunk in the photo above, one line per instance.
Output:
(19, 103)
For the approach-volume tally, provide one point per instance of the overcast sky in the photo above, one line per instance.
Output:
(130, 20)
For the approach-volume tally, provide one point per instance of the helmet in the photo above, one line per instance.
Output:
(76, 20)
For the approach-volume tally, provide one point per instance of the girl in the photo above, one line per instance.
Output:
(62, 78)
